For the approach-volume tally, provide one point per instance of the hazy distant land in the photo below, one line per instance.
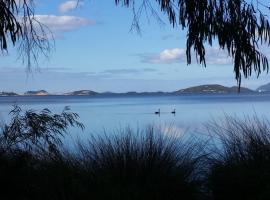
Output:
(201, 89)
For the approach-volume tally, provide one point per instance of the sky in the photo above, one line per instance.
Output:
(96, 49)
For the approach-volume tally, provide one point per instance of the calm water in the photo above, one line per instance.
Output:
(111, 113)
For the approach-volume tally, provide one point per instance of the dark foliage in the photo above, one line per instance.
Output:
(239, 26)
(33, 131)
(149, 164)
(26, 176)
(127, 166)
(19, 26)
(143, 165)
(240, 163)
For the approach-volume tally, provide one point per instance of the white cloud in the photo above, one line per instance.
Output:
(214, 56)
(166, 56)
(171, 54)
(63, 23)
(69, 6)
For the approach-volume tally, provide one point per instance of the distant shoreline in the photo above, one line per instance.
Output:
(138, 95)
(201, 89)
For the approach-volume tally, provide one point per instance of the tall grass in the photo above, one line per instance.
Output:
(151, 163)
(240, 161)
(145, 164)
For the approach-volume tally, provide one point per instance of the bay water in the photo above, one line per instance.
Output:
(111, 113)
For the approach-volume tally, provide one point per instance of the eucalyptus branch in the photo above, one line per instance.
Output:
(238, 26)
(19, 25)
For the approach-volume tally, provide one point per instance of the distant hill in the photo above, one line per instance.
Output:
(36, 93)
(8, 94)
(242, 89)
(264, 88)
(200, 89)
(213, 88)
(82, 93)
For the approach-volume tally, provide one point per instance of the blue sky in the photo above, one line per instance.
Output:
(95, 49)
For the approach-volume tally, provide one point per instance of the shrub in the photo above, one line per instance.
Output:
(143, 165)
(37, 131)
(240, 160)
(32, 164)
(127, 165)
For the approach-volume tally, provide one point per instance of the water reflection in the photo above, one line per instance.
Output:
(183, 113)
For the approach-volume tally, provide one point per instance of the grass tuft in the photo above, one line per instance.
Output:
(240, 160)
(143, 165)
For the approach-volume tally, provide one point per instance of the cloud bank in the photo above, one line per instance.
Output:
(63, 23)
(214, 56)
(166, 56)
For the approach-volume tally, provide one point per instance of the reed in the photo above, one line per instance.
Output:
(239, 163)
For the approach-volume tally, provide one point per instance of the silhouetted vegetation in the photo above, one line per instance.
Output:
(33, 131)
(20, 27)
(240, 162)
(128, 165)
(143, 164)
(239, 26)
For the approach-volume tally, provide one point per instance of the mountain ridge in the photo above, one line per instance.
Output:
(264, 88)
(36, 93)
(199, 89)
(213, 88)
(81, 93)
